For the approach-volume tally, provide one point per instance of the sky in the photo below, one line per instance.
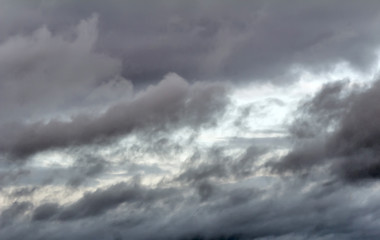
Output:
(189, 120)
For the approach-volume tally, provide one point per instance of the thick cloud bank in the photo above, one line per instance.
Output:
(44, 72)
(172, 103)
(338, 128)
(189, 120)
(215, 39)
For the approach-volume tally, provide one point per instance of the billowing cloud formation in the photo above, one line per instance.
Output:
(172, 103)
(45, 73)
(217, 39)
(295, 209)
(338, 127)
(165, 120)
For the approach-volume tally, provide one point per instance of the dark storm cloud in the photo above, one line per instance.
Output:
(170, 104)
(216, 39)
(338, 127)
(296, 209)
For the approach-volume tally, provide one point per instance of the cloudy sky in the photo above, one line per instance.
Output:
(189, 120)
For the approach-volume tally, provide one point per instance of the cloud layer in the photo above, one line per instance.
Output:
(339, 124)
(218, 39)
(172, 103)
(145, 120)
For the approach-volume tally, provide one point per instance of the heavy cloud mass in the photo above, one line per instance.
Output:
(349, 144)
(217, 39)
(170, 104)
(187, 120)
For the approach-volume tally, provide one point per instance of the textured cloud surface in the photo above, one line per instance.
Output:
(189, 120)
(172, 103)
(215, 39)
(340, 123)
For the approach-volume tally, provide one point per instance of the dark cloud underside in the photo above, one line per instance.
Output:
(338, 127)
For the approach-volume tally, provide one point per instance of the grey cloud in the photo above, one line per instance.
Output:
(24, 191)
(218, 39)
(276, 101)
(10, 176)
(320, 113)
(13, 212)
(254, 208)
(355, 141)
(314, 119)
(47, 74)
(45, 211)
(277, 210)
(256, 110)
(28, 180)
(217, 164)
(261, 142)
(340, 123)
(243, 116)
(86, 166)
(100, 201)
(171, 103)
(66, 74)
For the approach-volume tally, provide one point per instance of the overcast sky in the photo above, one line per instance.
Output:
(189, 120)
